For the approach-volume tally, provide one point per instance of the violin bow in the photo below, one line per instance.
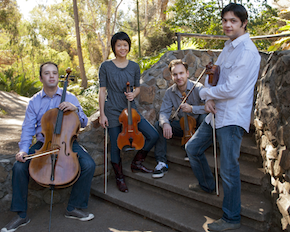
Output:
(185, 98)
(215, 156)
(105, 160)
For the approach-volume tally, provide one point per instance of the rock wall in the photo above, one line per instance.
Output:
(272, 117)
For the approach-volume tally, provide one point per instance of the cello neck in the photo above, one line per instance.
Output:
(57, 128)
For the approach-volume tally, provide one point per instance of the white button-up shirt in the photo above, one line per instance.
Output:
(239, 68)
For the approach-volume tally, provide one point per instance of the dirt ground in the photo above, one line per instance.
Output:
(11, 121)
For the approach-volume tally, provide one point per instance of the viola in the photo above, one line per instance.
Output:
(188, 125)
(130, 138)
(55, 164)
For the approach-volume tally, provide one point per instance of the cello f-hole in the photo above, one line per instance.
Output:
(67, 154)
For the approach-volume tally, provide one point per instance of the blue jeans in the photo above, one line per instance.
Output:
(80, 191)
(161, 145)
(151, 136)
(229, 139)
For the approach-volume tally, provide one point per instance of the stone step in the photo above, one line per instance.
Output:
(162, 208)
(254, 206)
(250, 172)
(174, 205)
(249, 150)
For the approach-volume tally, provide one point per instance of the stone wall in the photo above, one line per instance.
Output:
(272, 117)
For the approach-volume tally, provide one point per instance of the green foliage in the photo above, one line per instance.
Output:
(2, 112)
(147, 62)
(88, 98)
(18, 83)
(159, 39)
(196, 16)
(203, 17)
(9, 19)
(284, 42)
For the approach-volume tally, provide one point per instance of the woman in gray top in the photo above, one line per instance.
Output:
(113, 97)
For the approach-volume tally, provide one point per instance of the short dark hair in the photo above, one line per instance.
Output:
(238, 10)
(48, 62)
(120, 36)
(176, 62)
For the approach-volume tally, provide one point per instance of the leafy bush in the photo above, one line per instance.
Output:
(147, 62)
(159, 39)
(19, 84)
(284, 42)
(88, 98)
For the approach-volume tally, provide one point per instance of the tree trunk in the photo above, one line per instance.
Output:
(146, 18)
(163, 8)
(108, 30)
(106, 47)
(79, 47)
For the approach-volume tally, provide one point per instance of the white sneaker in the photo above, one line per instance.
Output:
(160, 170)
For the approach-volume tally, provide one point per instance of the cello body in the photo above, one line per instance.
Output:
(66, 169)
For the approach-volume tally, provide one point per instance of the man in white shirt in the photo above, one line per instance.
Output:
(231, 102)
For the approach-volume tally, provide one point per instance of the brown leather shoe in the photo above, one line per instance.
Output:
(120, 179)
(137, 166)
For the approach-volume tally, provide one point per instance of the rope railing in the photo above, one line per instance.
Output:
(223, 37)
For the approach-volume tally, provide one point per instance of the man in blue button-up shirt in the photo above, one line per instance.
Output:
(49, 97)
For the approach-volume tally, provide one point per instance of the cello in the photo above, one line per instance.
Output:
(188, 125)
(55, 164)
(130, 138)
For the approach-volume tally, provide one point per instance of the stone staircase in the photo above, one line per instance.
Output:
(169, 201)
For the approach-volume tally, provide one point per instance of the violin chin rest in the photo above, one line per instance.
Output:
(128, 148)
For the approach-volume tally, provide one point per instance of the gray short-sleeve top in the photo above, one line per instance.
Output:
(115, 80)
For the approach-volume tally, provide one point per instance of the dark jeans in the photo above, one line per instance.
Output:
(161, 145)
(229, 139)
(151, 136)
(80, 191)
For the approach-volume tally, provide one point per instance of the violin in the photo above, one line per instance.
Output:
(213, 72)
(55, 164)
(188, 125)
(130, 138)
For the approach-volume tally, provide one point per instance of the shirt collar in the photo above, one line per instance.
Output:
(58, 92)
(238, 40)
